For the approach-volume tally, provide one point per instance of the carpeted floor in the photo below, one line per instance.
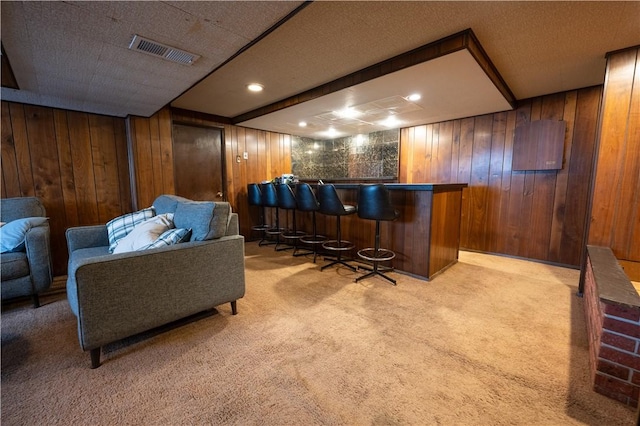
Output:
(491, 341)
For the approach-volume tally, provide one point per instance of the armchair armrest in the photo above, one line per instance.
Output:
(39, 255)
(87, 236)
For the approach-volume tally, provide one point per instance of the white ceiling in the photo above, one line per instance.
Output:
(74, 55)
(451, 86)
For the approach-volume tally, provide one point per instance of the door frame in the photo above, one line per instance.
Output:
(223, 150)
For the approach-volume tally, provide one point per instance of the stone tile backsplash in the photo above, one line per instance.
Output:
(373, 155)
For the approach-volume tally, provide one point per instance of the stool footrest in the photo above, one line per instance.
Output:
(259, 228)
(338, 245)
(373, 255)
(274, 231)
(293, 235)
(310, 239)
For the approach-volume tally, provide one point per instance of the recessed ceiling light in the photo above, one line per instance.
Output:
(348, 112)
(255, 87)
(331, 132)
(302, 124)
(413, 97)
(391, 122)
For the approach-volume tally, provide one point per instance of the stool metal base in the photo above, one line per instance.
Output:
(272, 232)
(376, 256)
(262, 229)
(339, 246)
(376, 272)
(312, 240)
(290, 235)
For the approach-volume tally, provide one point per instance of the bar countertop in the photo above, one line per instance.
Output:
(410, 186)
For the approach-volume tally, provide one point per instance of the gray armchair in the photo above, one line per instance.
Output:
(27, 272)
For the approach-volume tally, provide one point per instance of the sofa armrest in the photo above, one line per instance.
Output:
(87, 236)
(123, 294)
(37, 245)
(232, 226)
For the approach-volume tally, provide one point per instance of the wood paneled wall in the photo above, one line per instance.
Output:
(79, 164)
(534, 214)
(269, 155)
(151, 157)
(75, 162)
(615, 220)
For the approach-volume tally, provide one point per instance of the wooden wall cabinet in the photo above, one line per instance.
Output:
(539, 145)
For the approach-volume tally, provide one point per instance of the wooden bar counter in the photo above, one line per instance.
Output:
(426, 235)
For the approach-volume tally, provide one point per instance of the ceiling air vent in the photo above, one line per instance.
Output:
(169, 53)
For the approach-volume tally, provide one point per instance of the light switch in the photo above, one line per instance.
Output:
(246, 155)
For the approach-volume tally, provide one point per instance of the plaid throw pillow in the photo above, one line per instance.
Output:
(170, 237)
(120, 227)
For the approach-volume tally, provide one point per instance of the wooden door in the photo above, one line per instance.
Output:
(198, 155)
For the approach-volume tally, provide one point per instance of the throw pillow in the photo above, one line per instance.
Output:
(12, 234)
(145, 233)
(120, 227)
(170, 237)
(197, 216)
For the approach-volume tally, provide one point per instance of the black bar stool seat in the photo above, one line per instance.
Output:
(331, 205)
(287, 202)
(374, 204)
(308, 202)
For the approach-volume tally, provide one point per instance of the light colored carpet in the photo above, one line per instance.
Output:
(491, 341)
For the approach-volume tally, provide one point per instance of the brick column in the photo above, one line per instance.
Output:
(613, 328)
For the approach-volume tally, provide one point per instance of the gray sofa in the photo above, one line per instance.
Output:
(115, 296)
(26, 271)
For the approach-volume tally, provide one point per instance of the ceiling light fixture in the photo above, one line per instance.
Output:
(391, 122)
(302, 124)
(331, 132)
(348, 112)
(255, 87)
(413, 97)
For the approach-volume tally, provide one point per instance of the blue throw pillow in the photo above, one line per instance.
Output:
(197, 216)
(13, 233)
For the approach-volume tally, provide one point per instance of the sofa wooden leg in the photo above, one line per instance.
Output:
(36, 300)
(234, 308)
(95, 358)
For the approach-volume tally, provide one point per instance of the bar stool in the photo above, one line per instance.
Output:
(307, 202)
(287, 201)
(331, 205)
(254, 196)
(374, 204)
(270, 199)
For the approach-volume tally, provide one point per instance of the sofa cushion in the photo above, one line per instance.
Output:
(120, 227)
(12, 234)
(206, 219)
(145, 233)
(13, 265)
